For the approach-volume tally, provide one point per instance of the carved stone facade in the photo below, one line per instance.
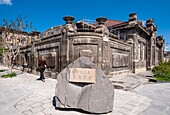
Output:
(148, 48)
(116, 48)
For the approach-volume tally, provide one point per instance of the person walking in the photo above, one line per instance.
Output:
(42, 64)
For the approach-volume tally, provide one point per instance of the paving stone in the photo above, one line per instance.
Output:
(128, 106)
(135, 112)
(28, 99)
(28, 112)
(3, 105)
(142, 108)
(143, 104)
(47, 105)
(152, 112)
(145, 100)
(39, 113)
(168, 111)
(119, 113)
(46, 101)
(119, 103)
(36, 109)
(165, 95)
(125, 111)
(158, 107)
(11, 111)
(21, 102)
(50, 111)
(36, 104)
(23, 107)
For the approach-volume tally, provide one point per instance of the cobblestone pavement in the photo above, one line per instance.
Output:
(24, 95)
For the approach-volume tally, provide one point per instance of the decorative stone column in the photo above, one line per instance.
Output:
(69, 20)
(151, 43)
(101, 20)
(105, 45)
(102, 28)
(68, 28)
(131, 40)
(149, 25)
(161, 48)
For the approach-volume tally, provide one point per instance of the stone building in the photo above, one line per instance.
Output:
(148, 49)
(115, 46)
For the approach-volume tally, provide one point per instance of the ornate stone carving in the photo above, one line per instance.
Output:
(132, 17)
(69, 25)
(102, 28)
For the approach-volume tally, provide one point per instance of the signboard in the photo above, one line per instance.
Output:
(83, 75)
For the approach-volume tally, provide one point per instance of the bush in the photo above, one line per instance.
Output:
(2, 70)
(9, 75)
(162, 71)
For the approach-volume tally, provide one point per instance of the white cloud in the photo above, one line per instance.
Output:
(6, 2)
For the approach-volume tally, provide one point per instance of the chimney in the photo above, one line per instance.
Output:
(132, 18)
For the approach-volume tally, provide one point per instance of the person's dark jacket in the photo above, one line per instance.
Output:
(41, 64)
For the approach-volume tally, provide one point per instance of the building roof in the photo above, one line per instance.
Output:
(112, 22)
(109, 23)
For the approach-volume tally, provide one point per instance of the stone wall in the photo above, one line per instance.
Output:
(120, 55)
(59, 51)
(157, 58)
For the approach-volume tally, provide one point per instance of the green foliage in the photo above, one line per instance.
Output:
(2, 70)
(163, 78)
(9, 75)
(1, 50)
(162, 71)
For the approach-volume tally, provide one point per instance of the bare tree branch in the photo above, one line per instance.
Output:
(14, 33)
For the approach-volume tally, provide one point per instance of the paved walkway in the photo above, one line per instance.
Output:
(24, 95)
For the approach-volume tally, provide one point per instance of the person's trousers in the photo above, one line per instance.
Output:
(42, 75)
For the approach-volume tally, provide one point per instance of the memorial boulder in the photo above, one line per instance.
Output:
(83, 85)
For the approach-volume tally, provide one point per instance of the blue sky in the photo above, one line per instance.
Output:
(47, 13)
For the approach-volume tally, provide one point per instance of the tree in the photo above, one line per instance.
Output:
(14, 33)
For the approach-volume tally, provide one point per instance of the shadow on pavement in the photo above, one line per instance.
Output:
(71, 109)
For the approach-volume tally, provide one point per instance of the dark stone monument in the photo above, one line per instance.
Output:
(94, 93)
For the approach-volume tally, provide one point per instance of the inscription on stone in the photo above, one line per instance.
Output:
(83, 75)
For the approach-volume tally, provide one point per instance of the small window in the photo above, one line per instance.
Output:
(139, 51)
(143, 50)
